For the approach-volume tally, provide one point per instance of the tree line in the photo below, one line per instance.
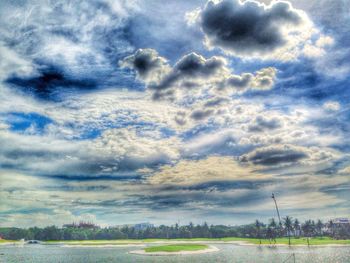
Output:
(288, 227)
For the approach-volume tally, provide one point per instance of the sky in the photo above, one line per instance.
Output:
(120, 112)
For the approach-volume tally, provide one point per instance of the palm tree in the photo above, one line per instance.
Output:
(331, 226)
(269, 233)
(296, 226)
(319, 226)
(288, 225)
(307, 229)
(257, 226)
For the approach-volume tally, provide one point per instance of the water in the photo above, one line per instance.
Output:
(227, 253)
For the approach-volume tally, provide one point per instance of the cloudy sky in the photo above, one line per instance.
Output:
(119, 111)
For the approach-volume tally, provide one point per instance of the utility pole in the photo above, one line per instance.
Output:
(278, 213)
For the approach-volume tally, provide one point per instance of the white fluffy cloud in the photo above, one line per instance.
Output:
(331, 106)
(189, 172)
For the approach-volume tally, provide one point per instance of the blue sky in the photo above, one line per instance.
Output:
(127, 111)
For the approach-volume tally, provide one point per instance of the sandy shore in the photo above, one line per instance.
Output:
(203, 251)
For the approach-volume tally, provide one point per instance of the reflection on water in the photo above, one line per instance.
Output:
(227, 253)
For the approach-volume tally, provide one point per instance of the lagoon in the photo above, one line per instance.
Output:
(227, 253)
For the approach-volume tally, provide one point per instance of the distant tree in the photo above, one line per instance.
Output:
(307, 229)
(273, 227)
(288, 224)
(51, 233)
(258, 227)
(190, 229)
(296, 226)
(331, 226)
(319, 226)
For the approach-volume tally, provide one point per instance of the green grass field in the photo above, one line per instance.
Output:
(294, 241)
(3, 241)
(176, 248)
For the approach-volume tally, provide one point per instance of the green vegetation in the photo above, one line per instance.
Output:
(3, 241)
(316, 232)
(176, 248)
(256, 241)
(293, 241)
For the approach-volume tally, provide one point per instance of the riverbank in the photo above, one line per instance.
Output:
(316, 241)
(8, 242)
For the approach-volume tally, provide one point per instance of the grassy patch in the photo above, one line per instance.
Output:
(7, 241)
(176, 248)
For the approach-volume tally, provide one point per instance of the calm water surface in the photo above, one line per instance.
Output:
(227, 253)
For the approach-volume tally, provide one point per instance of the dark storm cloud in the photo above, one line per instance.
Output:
(190, 71)
(194, 65)
(227, 185)
(66, 45)
(189, 67)
(247, 27)
(274, 155)
(81, 178)
(193, 71)
(148, 65)
(49, 80)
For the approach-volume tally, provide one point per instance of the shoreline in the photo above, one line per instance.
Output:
(210, 249)
(121, 243)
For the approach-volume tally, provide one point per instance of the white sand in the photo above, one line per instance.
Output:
(203, 251)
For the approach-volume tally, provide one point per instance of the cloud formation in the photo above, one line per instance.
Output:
(116, 151)
(57, 45)
(285, 155)
(193, 71)
(210, 127)
(253, 29)
(261, 124)
(149, 66)
(190, 172)
(331, 106)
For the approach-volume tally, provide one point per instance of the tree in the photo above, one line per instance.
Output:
(296, 226)
(331, 226)
(258, 226)
(319, 226)
(190, 229)
(307, 229)
(289, 226)
(273, 227)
